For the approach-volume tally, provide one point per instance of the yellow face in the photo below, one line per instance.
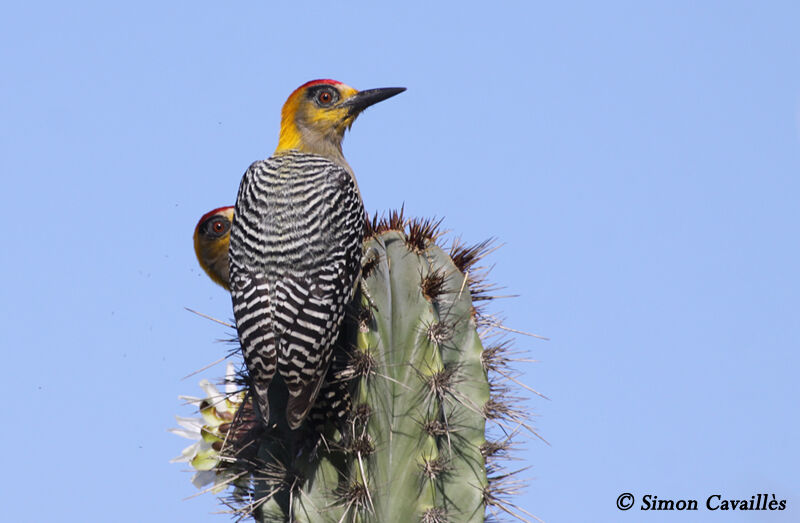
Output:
(315, 116)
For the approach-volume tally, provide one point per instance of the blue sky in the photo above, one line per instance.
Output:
(641, 164)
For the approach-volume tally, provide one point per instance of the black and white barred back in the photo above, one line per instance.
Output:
(295, 258)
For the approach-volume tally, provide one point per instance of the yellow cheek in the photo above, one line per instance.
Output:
(220, 248)
(325, 119)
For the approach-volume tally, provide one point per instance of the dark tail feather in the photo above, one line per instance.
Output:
(261, 396)
(298, 406)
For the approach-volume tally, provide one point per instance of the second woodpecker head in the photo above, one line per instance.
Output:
(211, 241)
(317, 113)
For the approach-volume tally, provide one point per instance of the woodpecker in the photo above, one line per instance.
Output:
(211, 239)
(296, 246)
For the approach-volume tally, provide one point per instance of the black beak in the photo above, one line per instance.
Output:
(364, 99)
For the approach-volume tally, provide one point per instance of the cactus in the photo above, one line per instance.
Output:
(414, 446)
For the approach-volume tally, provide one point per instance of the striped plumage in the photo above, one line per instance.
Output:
(296, 246)
(211, 242)
(295, 258)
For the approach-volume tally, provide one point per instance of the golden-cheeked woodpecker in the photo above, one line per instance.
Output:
(211, 239)
(296, 246)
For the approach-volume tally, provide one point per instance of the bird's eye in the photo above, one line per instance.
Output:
(216, 227)
(325, 97)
